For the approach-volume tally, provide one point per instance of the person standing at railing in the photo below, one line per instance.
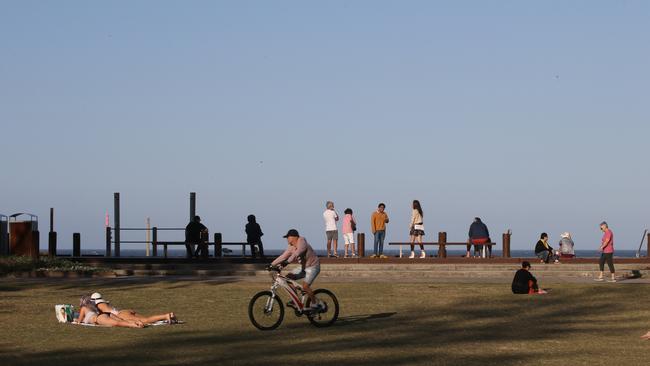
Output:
(254, 237)
(417, 229)
(348, 228)
(331, 232)
(378, 222)
(193, 232)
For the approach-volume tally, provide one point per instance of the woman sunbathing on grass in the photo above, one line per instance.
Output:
(130, 315)
(646, 336)
(89, 314)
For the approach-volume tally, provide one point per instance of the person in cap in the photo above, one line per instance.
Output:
(606, 250)
(105, 307)
(299, 250)
(566, 246)
(524, 281)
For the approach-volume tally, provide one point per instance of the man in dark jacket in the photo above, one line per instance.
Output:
(254, 237)
(193, 232)
(524, 281)
(478, 235)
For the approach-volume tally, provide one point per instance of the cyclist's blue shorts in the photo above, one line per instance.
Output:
(309, 274)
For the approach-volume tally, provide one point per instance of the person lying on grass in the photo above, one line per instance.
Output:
(130, 315)
(90, 314)
(646, 336)
(524, 281)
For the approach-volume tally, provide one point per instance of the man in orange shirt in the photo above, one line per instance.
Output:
(378, 222)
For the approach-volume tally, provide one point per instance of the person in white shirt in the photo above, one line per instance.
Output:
(331, 232)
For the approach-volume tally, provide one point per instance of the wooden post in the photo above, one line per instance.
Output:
(192, 205)
(76, 245)
(154, 241)
(51, 244)
(361, 244)
(108, 242)
(164, 250)
(218, 248)
(442, 242)
(506, 245)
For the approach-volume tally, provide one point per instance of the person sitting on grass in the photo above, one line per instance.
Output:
(543, 250)
(524, 281)
(129, 315)
(90, 314)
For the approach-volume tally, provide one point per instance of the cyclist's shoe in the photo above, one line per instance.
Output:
(316, 307)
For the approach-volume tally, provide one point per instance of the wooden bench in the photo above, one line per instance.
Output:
(442, 244)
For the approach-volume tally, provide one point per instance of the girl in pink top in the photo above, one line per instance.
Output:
(349, 226)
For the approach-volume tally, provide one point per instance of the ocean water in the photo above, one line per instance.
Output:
(391, 253)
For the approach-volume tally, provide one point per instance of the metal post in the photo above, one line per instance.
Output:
(648, 243)
(506, 245)
(108, 241)
(147, 237)
(51, 219)
(76, 245)
(218, 249)
(361, 244)
(192, 206)
(154, 241)
(51, 244)
(165, 250)
(116, 219)
(442, 242)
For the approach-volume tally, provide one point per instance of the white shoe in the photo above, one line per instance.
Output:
(423, 254)
(412, 255)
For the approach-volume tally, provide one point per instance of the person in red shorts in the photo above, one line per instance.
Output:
(478, 236)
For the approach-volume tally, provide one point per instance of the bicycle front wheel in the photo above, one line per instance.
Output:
(329, 312)
(265, 311)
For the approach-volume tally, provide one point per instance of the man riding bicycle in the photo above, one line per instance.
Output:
(299, 250)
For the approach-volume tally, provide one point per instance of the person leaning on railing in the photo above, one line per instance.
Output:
(193, 232)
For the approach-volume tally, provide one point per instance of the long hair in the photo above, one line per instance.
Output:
(417, 206)
(88, 302)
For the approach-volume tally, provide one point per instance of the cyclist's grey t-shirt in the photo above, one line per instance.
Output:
(303, 252)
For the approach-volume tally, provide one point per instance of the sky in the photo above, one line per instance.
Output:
(532, 115)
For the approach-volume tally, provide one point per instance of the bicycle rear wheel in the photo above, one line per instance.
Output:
(330, 311)
(265, 311)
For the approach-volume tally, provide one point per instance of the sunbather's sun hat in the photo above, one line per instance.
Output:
(565, 234)
(97, 298)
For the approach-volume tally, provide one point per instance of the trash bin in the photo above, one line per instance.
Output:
(23, 235)
(4, 235)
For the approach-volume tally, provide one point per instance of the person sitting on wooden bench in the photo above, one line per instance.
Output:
(193, 232)
(524, 281)
(478, 236)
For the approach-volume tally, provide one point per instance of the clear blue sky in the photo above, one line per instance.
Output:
(533, 115)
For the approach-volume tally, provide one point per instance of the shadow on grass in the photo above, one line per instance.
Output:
(427, 333)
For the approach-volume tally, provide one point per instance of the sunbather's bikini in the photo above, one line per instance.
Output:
(90, 314)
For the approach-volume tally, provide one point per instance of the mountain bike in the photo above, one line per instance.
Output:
(266, 310)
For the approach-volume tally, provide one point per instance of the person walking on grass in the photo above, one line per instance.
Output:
(349, 227)
(479, 235)
(378, 222)
(606, 250)
(417, 229)
(524, 281)
(331, 232)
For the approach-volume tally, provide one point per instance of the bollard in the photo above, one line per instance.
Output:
(76, 245)
(442, 242)
(218, 250)
(648, 243)
(506, 245)
(361, 245)
(51, 244)
(108, 242)
(154, 241)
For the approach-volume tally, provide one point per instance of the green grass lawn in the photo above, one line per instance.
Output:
(391, 324)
